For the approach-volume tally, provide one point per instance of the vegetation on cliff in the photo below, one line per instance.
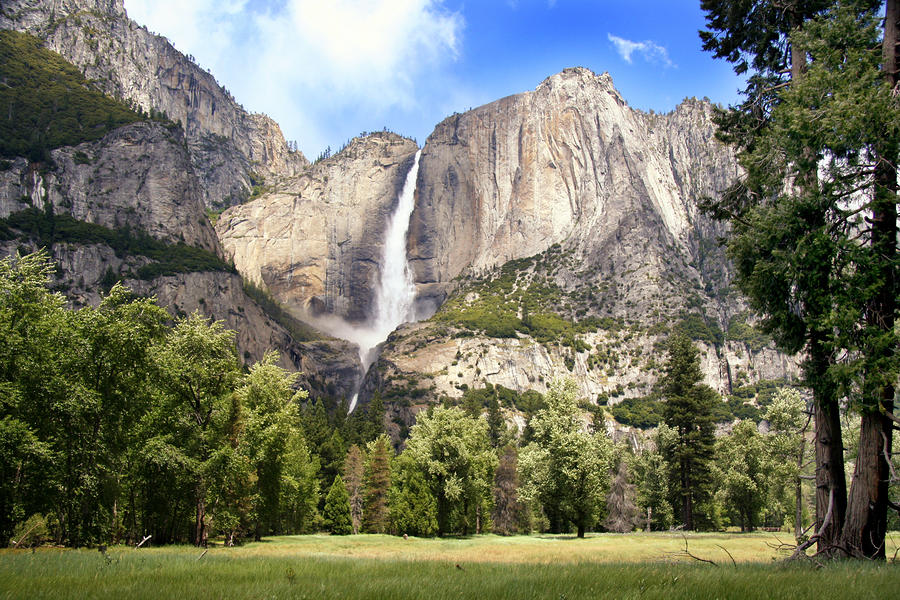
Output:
(45, 228)
(47, 102)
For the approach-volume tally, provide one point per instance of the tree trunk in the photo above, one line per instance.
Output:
(831, 485)
(200, 534)
(443, 513)
(867, 514)
(798, 488)
(581, 528)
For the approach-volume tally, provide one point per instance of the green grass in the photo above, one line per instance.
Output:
(602, 566)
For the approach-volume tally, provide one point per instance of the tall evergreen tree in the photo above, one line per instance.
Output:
(785, 271)
(354, 470)
(814, 255)
(688, 410)
(375, 516)
(336, 514)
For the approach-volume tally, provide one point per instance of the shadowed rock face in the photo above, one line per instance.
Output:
(317, 240)
(568, 163)
(226, 143)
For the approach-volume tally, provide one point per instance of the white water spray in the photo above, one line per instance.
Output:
(396, 290)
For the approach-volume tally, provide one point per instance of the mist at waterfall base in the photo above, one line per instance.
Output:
(395, 293)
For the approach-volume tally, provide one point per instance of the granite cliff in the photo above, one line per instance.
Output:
(231, 150)
(316, 240)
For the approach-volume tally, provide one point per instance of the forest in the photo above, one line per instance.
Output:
(120, 423)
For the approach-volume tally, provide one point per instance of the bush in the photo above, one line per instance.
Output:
(30, 533)
(643, 413)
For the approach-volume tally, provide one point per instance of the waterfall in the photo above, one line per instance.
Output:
(396, 291)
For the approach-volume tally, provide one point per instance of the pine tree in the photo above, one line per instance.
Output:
(375, 516)
(336, 513)
(688, 410)
(621, 512)
(353, 479)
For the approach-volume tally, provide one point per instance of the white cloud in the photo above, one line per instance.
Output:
(651, 51)
(306, 62)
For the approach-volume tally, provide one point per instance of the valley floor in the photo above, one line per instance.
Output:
(373, 566)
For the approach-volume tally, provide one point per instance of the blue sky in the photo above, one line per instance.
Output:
(327, 70)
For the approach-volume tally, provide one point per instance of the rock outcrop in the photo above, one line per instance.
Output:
(228, 146)
(138, 176)
(316, 241)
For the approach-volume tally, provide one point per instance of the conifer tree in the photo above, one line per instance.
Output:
(376, 516)
(688, 410)
(353, 480)
(336, 514)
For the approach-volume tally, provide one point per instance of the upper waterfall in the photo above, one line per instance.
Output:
(396, 291)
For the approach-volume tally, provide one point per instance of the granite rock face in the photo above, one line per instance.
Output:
(601, 201)
(316, 241)
(568, 163)
(138, 176)
(228, 146)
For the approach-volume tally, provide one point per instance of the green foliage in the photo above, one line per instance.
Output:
(47, 103)
(517, 299)
(336, 514)
(565, 468)
(741, 331)
(413, 508)
(46, 229)
(688, 411)
(651, 475)
(643, 412)
(375, 514)
(699, 328)
(742, 472)
(453, 452)
(117, 424)
(30, 533)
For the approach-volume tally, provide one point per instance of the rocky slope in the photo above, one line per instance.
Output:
(138, 176)
(316, 241)
(230, 149)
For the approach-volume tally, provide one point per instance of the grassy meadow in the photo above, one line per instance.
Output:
(374, 566)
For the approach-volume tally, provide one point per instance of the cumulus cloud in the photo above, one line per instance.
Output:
(309, 62)
(651, 51)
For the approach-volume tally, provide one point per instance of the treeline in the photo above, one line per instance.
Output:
(117, 423)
